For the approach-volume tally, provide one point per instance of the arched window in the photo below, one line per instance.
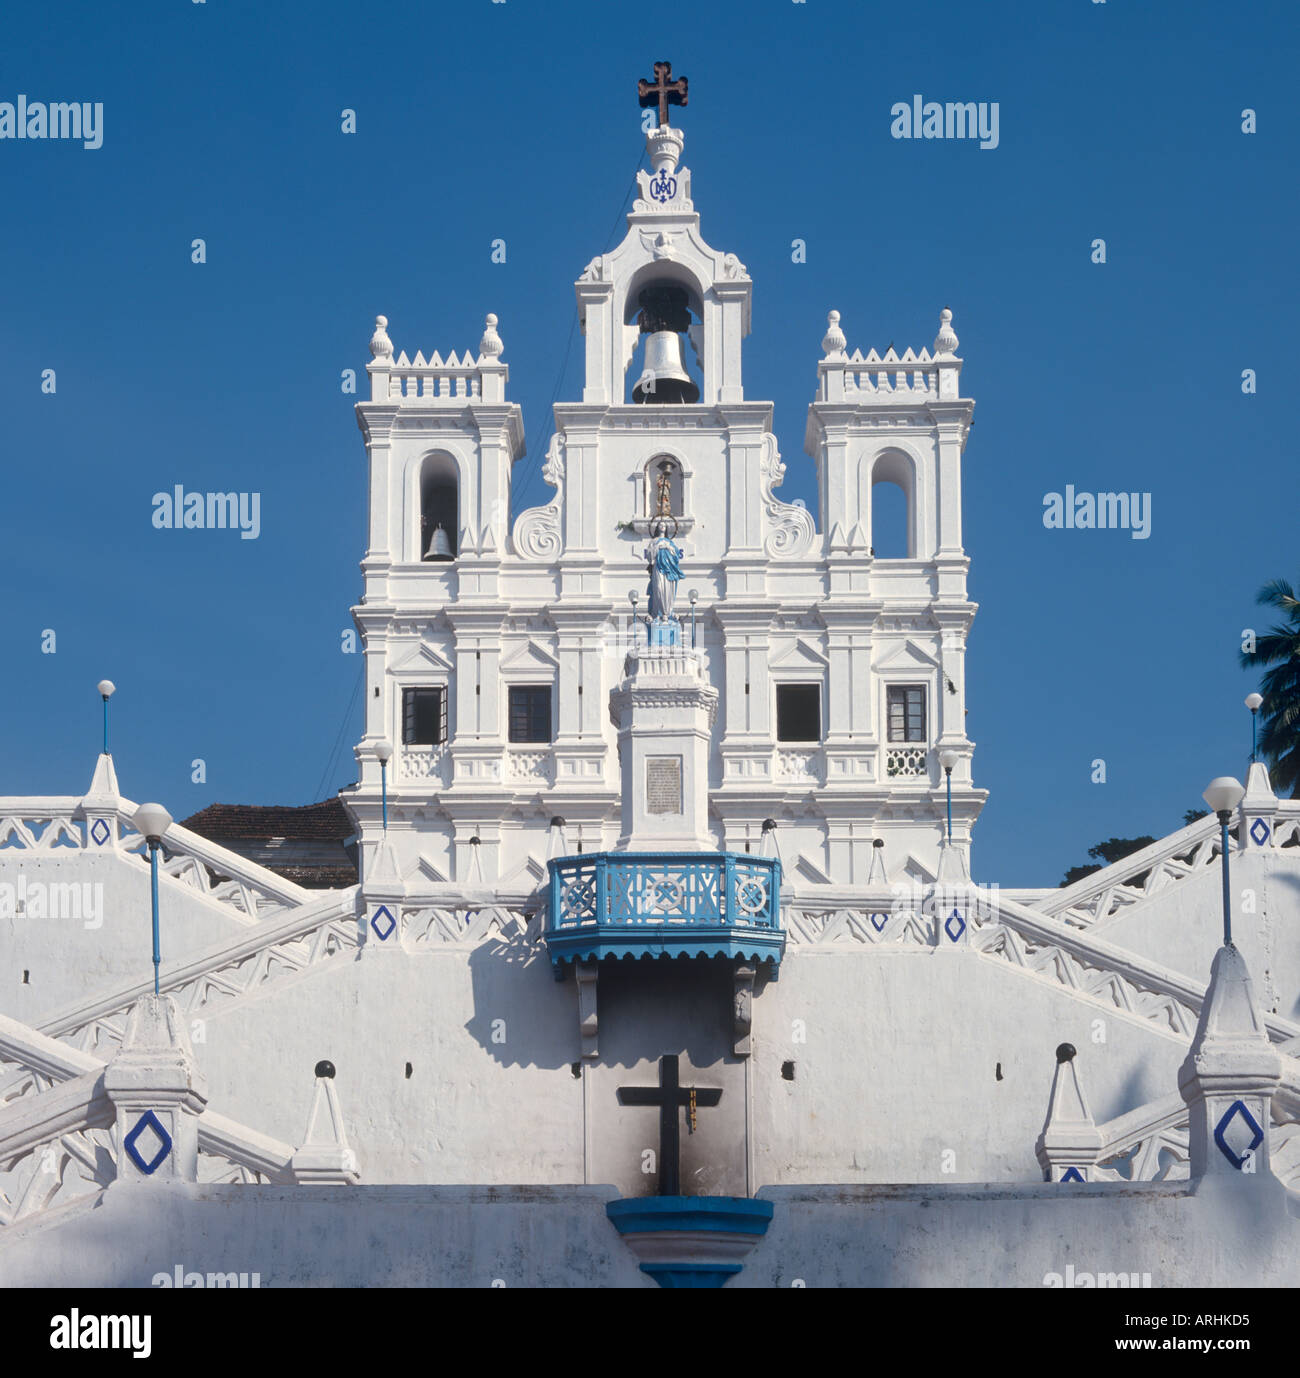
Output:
(892, 534)
(439, 508)
(663, 480)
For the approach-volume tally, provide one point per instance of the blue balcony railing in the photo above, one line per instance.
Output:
(664, 904)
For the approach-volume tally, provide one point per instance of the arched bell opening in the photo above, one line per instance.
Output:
(893, 507)
(439, 508)
(658, 371)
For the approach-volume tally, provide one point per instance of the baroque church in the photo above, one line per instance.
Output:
(668, 960)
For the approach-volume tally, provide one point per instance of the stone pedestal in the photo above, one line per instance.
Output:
(100, 806)
(158, 1093)
(379, 922)
(954, 902)
(664, 711)
(1229, 1077)
(1258, 810)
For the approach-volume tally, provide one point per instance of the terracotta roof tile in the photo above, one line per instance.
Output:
(326, 821)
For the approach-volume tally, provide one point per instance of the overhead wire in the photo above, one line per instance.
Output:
(543, 421)
(339, 736)
(535, 470)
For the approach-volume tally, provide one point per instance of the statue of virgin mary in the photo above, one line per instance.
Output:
(663, 558)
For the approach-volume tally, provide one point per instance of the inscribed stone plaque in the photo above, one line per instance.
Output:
(663, 784)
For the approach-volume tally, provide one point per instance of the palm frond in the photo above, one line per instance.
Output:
(1277, 593)
(1278, 643)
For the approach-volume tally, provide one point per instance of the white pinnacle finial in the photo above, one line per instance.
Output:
(490, 345)
(1070, 1144)
(945, 342)
(380, 345)
(833, 341)
(326, 1157)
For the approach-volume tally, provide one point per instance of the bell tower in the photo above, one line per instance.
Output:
(887, 434)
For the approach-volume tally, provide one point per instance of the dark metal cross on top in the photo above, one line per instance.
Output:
(670, 1096)
(663, 91)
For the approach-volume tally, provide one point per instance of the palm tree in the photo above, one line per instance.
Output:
(1279, 738)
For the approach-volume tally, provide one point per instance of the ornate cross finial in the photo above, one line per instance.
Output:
(663, 91)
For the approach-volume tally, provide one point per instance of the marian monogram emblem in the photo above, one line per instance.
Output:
(662, 186)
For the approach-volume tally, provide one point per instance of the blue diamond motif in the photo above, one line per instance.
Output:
(1248, 1120)
(956, 916)
(883, 920)
(1259, 830)
(1071, 1174)
(383, 923)
(148, 1121)
(99, 831)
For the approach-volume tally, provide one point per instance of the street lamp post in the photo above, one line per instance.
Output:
(1253, 702)
(1223, 794)
(152, 821)
(384, 751)
(106, 689)
(693, 595)
(948, 759)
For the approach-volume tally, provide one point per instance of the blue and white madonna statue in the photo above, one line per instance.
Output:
(664, 560)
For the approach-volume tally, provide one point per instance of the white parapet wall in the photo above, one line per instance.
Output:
(1158, 1235)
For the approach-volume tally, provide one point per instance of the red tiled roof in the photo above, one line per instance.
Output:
(326, 821)
(318, 877)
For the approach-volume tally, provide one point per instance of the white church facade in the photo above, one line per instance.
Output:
(492, 646)
(667, 961)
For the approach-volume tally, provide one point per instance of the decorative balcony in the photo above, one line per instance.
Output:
(664, 904)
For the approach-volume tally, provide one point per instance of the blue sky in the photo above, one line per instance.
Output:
(478, 121)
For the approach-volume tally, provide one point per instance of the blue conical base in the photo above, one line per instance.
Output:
(692, 1274)
(690, 1241)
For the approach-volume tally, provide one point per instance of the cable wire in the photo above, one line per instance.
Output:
(544, 420)
(339, 736)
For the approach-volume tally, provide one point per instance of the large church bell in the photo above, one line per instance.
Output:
(663, 319)
(439, 546)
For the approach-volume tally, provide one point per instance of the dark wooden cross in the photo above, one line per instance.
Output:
(670, 1097)
(663, 91)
